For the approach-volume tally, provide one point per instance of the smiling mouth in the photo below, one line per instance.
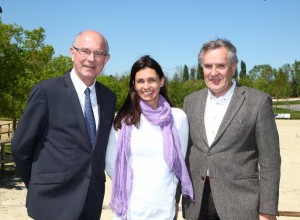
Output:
(89, 67)
(148, 93)
(215, 81)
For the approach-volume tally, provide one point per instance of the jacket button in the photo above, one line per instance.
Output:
(202, 177)
(88, 176)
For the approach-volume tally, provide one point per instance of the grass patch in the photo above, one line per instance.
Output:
(294, 102)
(8, 150)
(294, 114)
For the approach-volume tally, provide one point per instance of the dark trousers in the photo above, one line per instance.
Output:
(208, 210)
(92, 209)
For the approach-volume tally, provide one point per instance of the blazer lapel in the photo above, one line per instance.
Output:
(100, 102)
(233, 107)
(196, 109)
(202, 103)
(71, 92)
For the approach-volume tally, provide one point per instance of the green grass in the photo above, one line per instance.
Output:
(281, 110)
(8, 150)
(294, 114)
(286, 102)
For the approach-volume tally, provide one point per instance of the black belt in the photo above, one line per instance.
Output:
(207, 180)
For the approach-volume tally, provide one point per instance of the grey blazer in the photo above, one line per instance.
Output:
(243, 160)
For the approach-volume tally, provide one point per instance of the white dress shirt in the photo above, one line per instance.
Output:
(215, 110)
(80, 87)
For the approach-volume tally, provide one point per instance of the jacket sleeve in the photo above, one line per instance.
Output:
(269, 158)
(30, 131)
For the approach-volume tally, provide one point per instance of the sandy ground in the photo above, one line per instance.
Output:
(13, 192)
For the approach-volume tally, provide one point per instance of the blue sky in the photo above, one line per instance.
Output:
(171, 31)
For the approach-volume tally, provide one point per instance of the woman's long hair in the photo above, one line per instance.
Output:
(130, 111)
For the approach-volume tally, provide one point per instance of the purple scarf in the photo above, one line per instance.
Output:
(122, 179)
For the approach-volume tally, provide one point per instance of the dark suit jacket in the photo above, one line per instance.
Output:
(243, 160)
(61, 169)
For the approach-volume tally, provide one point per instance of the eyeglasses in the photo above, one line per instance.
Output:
(86, 52)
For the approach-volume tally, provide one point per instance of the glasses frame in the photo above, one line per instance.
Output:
(87, 52)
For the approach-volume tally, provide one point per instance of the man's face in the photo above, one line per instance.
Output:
(218, 72)
(88, 67)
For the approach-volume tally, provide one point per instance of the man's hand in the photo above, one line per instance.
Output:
(266, 217)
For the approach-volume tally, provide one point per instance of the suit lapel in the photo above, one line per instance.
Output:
(100, 102)
(233, 107)
(195, 108)
(202, 103)
(72, 94)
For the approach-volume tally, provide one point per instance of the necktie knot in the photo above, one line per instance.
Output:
(89, 116)
(87, 92)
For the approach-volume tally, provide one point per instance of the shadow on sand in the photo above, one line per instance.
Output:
(10, 179)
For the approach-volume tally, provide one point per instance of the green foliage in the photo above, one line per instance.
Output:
(25, 59)
(57, 66)
(281, 88)
(200, 74)
(287, 102)
(176, 77)
(236, 74)
(294, 114)
(185, 73)
(174, 88)
(265, 72)
(193, 73)
(262, 77)
(177, 90)
(296, 75)
(243, 70)
(245, 81)
(120, 86)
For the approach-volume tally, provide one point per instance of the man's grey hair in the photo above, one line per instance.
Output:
(78, 35)
(214, 44)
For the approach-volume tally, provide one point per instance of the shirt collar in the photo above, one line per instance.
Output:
(79, 85)
(227, 96)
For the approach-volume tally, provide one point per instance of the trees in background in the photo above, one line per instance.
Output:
(25, 59)
(185, 73)
(243, 71)
(296, 78)
(281, 86)
(193, 73)
(200, 74)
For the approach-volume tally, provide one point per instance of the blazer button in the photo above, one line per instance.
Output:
(202, 177)
(208, 154)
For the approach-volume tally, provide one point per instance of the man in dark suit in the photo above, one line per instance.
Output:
(60, 143)
(233, 155)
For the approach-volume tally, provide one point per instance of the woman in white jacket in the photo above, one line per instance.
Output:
(146, 149)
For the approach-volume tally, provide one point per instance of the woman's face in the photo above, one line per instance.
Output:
(147, 85)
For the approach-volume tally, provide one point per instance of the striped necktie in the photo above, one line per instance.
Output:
(89, 116)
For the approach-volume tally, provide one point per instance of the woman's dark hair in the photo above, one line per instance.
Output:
(130, 111)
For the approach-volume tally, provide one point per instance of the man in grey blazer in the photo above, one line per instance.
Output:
(233, 155)
(60, 143)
